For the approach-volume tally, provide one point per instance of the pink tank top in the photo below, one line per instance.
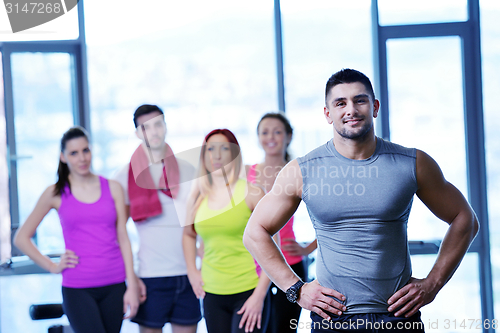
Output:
(89, 230)
(286, 231)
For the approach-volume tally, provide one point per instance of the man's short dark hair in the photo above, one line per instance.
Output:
(348, 75)
(145, 109)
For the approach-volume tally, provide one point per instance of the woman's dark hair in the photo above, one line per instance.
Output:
(63, 170)
(288, 128)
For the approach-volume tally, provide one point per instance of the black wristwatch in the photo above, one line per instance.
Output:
(292, 293)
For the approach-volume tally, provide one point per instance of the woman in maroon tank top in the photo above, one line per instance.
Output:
(98, 255)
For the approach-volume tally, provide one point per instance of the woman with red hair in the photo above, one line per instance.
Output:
(234, 295)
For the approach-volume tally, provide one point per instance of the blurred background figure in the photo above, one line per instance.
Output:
(98, 255)
(156, 187)
(275, 134)
(234, 295)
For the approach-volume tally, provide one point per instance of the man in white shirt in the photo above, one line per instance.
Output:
(158, 208)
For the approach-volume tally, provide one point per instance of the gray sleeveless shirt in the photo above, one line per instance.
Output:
(360, 209)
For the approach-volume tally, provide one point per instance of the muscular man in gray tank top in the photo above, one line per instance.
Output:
(358, 190)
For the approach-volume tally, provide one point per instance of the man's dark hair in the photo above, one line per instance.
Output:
(145, 109)
(348, 75)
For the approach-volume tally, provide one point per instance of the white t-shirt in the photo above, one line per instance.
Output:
(160, 237)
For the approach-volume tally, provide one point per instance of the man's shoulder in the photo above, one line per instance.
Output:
(389, 147)
(318, 152)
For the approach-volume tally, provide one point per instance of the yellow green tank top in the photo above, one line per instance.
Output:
(227, 267)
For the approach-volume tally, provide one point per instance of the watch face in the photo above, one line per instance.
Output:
(292, 292)
(291, 295)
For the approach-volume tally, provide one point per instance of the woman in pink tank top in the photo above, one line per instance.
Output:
(98, 256)
(275, 134)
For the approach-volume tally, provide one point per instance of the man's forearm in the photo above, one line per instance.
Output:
(260, 244)
(457, 240)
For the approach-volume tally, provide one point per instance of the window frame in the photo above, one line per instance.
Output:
(469, 33)
(77, 49)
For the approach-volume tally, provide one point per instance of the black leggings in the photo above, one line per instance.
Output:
(282, 310)
(220, 312)
(96, 310)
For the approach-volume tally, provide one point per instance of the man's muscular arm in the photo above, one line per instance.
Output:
(270, 215)
(446, 202)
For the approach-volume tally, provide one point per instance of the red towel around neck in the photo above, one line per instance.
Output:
(142, 190)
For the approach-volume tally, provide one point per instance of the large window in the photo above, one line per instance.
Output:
(43, 100)
(213, 65)
(209, 68)
(393, 12)
(43, 70)
(318, 40)
(41, 105)
(427, 112)
(490, 41)
(4, 181)
(314, 47)
(429, 89)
